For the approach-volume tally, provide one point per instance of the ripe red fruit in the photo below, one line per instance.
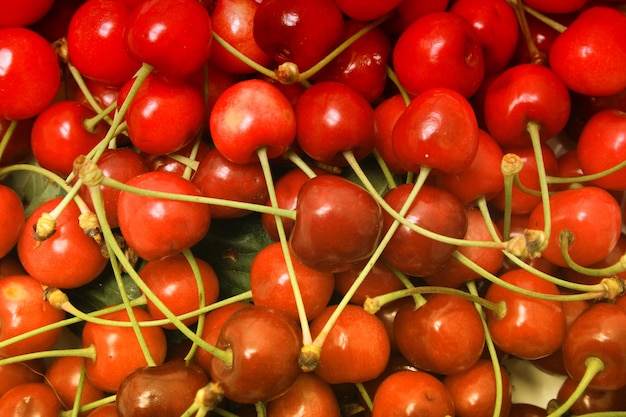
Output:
(23, 14)
(12, 219)
(31, 399)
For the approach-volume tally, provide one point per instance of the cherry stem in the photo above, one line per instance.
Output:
(282, 236)
(510, 166)
(192, 157)
(373, 304)
(190, 163)
(491, 348)
(297, 160)
(85, 352)
(80, 82)
(201, 302)
(79, 391)
(594, 366)
(6, 137)
(261, 410)
(365, 395)
(418, 298)
(541, 17)
(586, 178)
(243, 58)
(394, 79)
(391, 181)
(88, 407)
(533, 130)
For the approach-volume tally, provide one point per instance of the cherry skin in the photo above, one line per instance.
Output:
(592, 400)
(153, 227)
(444, 336)
(117, 350)
(63, 374)
(434, 209)
(233, 21)
(95, 41)
(592, 217)
(410, 393)
(439, 50)
(521, 94)
(337, 224)
(598, 332)
(474, 391)
(380, 280)
(24, 309)
(557, 6)
(387, 113)
(438, 129)
(24, 14)
(265, 344)
(67, 259)
(250, 115)
(164, 390)
(355, 334)
(301, 32)
(527, 410)
(332, 118)
(60, 134)
(107, 410)
(371, 10)
(271, 286)
(18, 148)
(588, 57)
(173, 36)
(12, 219)
(308, 395)
(218, 177)
(29, 73)
(604, 134)
(409, 11)
(173, 282)
(14, 374)
(33, 399)
(531, 328)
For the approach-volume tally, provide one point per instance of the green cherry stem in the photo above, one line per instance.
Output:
(367, 399)
(243, 58)
(297, 160)
(91, 406)
(533, 131)
(510, 166)
(541, 17)
(594, 366)
(6, 137)
(88, 352)
(79, 392)
(394, 79)
(404, 279)
(586, 178)
(80, 82)
(189, 168)
(201, 302)
(280, 228)
(261, 410)
(536, 56)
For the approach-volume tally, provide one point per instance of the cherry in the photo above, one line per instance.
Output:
(337, 224)
(12, 219)
(542, 36)
(271, 286)
(218, 177)
(592, 219)
(69, 258)
(34, 399)
(95, 42)
(556, 6)
(410, 393)
(62, 132)
(14, 374)
(332, 118)
(439, 50)
(588, 57)
(409, 11)
(117, 350)
(153, 227)
(302, 32)
(29, 73)
(10, 265)
(163, 390)
(173, 36)
(531, 328)
(148, 113)
(167, 163)
(17, 149)
(172, 280)
(308, 395)
(381, 279)
(474, 390)
(598, 332)
(592, 400)
(527, 410)
(496, 25)
(604, 132)
(23, 14)
(433, 209)
(387, 113)
(63, 375)
(232, 20)
(265, 344)
(54, 24)
(370, 11)
(438, 129)
(521, 94)
(355, 334)
(107, 410)
(250, 115)
(103, 94)
(444, 336)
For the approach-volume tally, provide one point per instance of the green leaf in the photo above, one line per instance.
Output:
(33, 188)
(229, 247)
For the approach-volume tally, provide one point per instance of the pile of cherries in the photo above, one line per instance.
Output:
(438, 185)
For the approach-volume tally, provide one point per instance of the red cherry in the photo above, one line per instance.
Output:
(592, 217)
(332, 118)
(95, 42)
(600, 331)
(439, 50)
(107, 410)
(29, 73)
(444, 336)
(410, 393)
(14, 374)
(63, 374)
(337, 224)
(588, 56)
(371, 10)
(531, 327)
(156, 227)
(174, 36)
(308, 395)
(33, 399)
(12, 219)
(165, 163)
(250, 115)
(409, 11)
(23, 14)
(556, 6)
(18, 148)
(592, 400)
(67, 259)
(379, 280)
(355, 334)
(387, 113)
(438, 129)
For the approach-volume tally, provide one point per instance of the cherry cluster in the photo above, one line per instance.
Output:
(438, 187)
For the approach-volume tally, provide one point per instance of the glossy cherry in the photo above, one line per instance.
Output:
(23, 14)
(439, 50)
(34, 399)
(387, 113)
(438, 129)
(18, 148)
(12, 219)
(63, 375)
(308, 395)
(380, 280)
(592, 400)
(337, 224)
(14, 374)
(158, 227)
